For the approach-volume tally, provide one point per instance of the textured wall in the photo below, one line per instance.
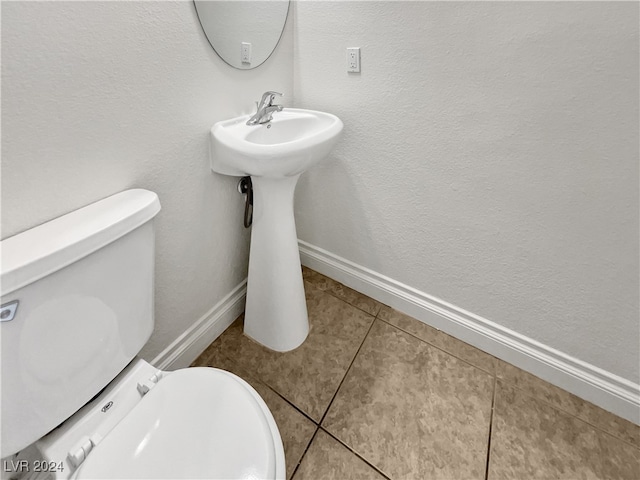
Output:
(102, 97)
(490, 158)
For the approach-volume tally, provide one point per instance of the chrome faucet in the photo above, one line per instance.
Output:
(266, 109)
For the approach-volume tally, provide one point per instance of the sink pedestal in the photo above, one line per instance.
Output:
(274, 154)
(276, 310)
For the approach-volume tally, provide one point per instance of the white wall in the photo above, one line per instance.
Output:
(490, 155)
(490, 158)
(102, 97)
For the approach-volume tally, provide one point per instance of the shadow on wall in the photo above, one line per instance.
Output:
(349, 222)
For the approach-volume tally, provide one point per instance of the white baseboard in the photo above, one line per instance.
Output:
(186, 348)
(608, 391)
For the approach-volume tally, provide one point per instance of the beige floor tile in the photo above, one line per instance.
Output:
(296, 430)
(531, 439)
(439, 339)
(328, 459)
(413, 410)
(341, 291)
(569, 403)
(310, 375)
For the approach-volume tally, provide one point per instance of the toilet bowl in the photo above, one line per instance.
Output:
(77, 307)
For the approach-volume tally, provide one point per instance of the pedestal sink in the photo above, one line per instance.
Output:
(274, 154)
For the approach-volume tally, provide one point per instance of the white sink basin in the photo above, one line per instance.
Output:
(274, 154)
(292, 142)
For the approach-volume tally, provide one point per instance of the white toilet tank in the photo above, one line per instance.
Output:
(76, 307)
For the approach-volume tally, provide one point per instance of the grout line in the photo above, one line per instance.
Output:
(377, 314)
(493, 374)
(558, 408)
(305, 414)
(354, 452)
(313, 437)
(375, 317)
(512, 384)
(521, 389)
(335, 295)
(493, 406)
(347, 372)
(254, 377)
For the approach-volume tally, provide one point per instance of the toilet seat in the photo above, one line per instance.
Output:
(230, 434)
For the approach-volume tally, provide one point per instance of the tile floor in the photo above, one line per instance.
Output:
(375, 394)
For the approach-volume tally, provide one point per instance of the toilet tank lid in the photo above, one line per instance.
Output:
(42, 250)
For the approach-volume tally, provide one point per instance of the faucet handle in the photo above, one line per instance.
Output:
(268, 97)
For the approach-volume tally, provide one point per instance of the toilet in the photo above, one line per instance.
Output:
(77, 402)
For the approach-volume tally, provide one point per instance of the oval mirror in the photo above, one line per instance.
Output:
(244, 33)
